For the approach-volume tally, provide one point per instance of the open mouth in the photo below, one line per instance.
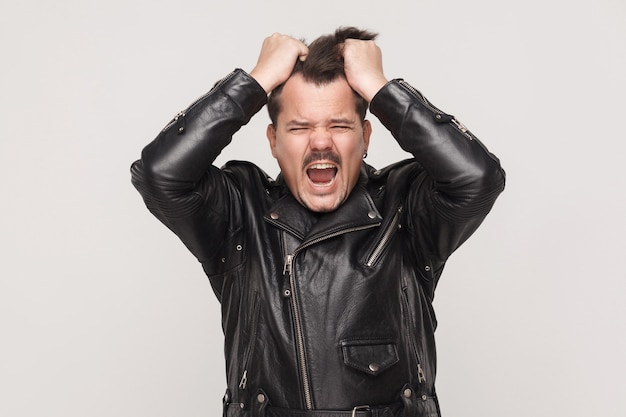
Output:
(322, 173)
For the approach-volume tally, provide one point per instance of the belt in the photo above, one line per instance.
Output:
(358, 411)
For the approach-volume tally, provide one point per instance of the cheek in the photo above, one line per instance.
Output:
(355, 148)
(289, 155)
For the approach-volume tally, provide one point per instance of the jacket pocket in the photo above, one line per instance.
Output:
(372, 356)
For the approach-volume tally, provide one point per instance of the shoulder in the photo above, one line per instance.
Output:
(399, 173)
(395, 183)
(246, 170)
(249, 178)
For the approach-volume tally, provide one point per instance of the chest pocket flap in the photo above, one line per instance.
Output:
(372, 356)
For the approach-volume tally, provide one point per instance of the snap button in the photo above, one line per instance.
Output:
(407, 393)
(371, 214)
(274, 216)
(223, 260)
(374, 367)
(260, 398)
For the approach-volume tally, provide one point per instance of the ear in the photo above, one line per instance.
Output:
(271, 137)
(367, 132)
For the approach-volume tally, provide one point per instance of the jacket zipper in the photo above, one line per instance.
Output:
(250, 349)
(438, 113)
(378, 250)
(299, 335)
(180, 119)
(288, 269)
(409, 322)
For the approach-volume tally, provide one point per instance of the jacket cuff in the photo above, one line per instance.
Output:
(393, 116)
(243, 90)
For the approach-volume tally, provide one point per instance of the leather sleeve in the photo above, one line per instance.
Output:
(175, 175)
(458, 180)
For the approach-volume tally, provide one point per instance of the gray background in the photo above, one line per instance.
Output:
(104, 313)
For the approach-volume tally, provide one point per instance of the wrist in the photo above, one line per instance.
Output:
(368, 90)
(263, 79)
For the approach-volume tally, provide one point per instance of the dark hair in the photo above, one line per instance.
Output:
(324, 64)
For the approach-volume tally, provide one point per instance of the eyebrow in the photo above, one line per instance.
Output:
(297, 123)
(342, 120)
(334, 120)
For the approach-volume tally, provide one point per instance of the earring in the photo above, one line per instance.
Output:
(365, 155)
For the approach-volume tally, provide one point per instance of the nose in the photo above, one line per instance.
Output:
(321, 139)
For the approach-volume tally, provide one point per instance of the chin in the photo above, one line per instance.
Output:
(322, 205)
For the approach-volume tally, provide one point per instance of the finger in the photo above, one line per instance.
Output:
(304, 53)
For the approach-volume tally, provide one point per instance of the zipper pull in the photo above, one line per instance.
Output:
(244, 380)
(420, 374)
(180, 122)
(461, 127)
(288, 265)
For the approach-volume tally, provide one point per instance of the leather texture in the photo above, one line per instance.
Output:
(322, 311)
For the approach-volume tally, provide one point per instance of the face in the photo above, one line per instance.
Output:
(319, 142)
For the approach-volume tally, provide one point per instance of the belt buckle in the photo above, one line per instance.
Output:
(360, 408)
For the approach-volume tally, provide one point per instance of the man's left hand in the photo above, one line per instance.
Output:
(363, 65)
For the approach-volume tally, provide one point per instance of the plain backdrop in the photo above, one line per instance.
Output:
(103, 312)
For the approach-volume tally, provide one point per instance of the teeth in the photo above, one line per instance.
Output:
(322, 166)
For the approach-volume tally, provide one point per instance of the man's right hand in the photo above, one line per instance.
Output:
(278, 56)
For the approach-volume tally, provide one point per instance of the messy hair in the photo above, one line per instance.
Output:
(323, 65)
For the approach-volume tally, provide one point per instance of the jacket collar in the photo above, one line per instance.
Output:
(357, 212)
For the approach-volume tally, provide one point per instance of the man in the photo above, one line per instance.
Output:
(326, 275)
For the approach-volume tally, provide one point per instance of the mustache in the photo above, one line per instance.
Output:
(321, 156)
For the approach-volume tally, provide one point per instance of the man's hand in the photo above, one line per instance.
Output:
(363, 65)
(277, 59)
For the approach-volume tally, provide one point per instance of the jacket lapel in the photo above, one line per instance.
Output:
(356, 213)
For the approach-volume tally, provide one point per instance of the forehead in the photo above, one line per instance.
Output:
(306, 100)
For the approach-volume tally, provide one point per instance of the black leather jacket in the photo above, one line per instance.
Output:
(332, 311)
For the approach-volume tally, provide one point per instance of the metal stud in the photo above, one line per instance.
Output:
(407, 393)
(374, 367)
